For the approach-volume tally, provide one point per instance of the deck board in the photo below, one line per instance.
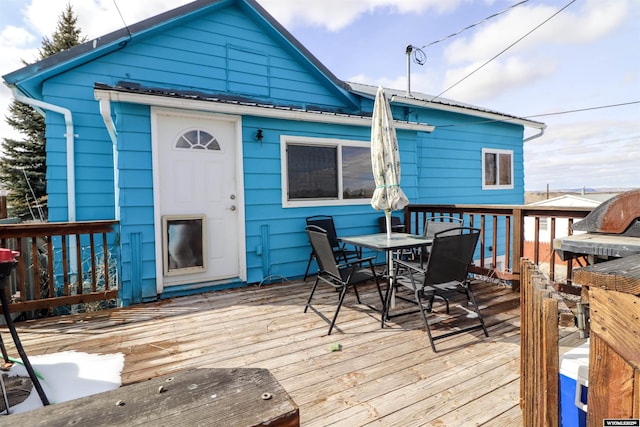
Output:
(380, 376)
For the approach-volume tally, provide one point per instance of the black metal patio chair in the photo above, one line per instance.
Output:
(445, 272)
(396, 224)
(340, 251)
(439, 223)
(340, 276)
(444, 224)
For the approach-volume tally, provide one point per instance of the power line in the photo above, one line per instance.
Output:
(123, 22)
(557, 113)
(579, 110)
(583, 145)
(474, 25)
(420, 57)
(503, 51)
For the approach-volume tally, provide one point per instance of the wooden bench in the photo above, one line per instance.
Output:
(198, 397)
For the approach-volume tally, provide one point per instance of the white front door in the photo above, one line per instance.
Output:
(199, 212)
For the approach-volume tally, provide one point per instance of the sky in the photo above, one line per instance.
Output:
(571, 64)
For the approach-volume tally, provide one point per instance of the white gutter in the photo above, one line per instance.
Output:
(105, 112)
(396, 99)
(537, 135)
(270, 112)
(68, 119)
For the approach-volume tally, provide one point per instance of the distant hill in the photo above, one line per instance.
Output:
(537, 196)
(581, 189)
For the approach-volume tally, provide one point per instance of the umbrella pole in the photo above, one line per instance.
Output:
(390, 271)
(387, 214)
(391, 278)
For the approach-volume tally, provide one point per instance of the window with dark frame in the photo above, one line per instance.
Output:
(313, 172)
(330, 171)
(357, 176)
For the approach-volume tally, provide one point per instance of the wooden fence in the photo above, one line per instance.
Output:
(539, 353)
(60, 264)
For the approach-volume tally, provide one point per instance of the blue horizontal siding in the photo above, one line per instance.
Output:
(136, 178)
(289, 247)
(137, 197)
(136, 201)
(196, 56)
(226, 52)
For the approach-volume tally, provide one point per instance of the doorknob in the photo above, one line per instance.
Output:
(233, 207)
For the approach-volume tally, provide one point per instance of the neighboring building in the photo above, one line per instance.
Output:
(587, 200)
(211, 125)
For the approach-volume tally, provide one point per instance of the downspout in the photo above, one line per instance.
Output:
(537, 135)
(105, 112)
(68, 119)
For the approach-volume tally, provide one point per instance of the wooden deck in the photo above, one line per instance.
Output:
(379, 377)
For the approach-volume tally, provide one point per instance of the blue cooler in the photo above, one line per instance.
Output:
(574, 376)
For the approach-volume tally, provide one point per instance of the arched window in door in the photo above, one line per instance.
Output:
(198, 140)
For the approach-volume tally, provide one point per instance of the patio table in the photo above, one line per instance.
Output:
(381, 242)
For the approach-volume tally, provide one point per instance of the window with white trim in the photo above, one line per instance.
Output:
(321, 172)
(497, 169)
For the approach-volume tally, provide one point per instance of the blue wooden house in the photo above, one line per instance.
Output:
(210, 133)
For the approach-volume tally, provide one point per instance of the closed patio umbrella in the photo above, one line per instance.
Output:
(385, 161)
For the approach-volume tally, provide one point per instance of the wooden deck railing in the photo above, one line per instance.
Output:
(502, 238)
(60, 264)
(64, 263)
(539, 349)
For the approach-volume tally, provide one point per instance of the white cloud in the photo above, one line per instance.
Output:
(535, 57)
(496, 77)
(335, 15)
(590, 153)
(95, 17)
(15, 36)
(14, 48)
(397, 83)
(595, 20)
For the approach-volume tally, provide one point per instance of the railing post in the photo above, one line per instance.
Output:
(518, 245)
(515, 217)
(552, 254)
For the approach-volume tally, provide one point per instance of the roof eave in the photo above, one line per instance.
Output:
(104, 92)
(488, 115)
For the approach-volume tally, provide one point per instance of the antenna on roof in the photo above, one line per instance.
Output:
(408, 52)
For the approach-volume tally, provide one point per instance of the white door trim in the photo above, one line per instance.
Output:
(241, 231)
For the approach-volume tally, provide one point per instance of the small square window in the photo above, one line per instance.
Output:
(497, 169)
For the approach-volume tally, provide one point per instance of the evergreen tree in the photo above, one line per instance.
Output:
(23, 164)
(66, 36)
